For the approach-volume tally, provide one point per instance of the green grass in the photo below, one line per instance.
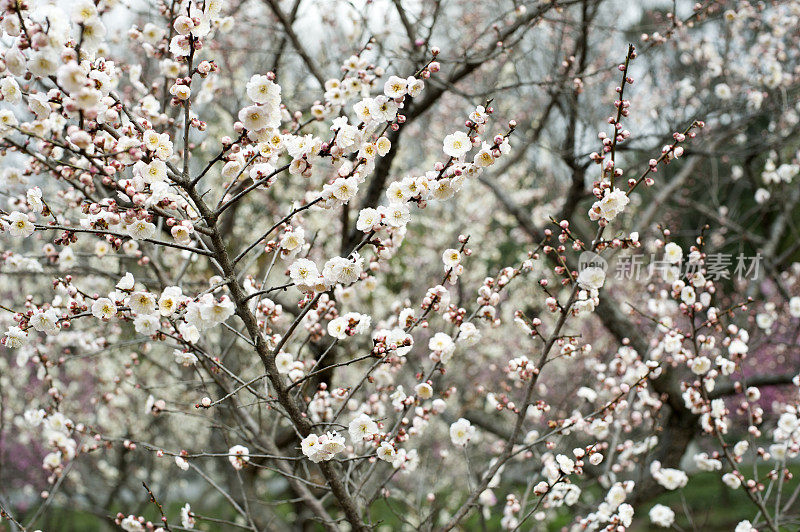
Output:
(714, 506)
(705, 504)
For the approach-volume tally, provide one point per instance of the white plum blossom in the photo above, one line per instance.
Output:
(740, 448)
(700, 365)
(722, 91)
(457, 144)
(625, 513)
(662, 516)
(185, 358)
(284, 362)
(343, 270)
(737, 347)
(19, 225)
(169, 300)
(461, 432)
(189, 333)
(368, 219)
(10, 90)
(127, 282)
(293, 240)
(182, 463)
(610, 206)
(468, 333)
(396, 214)
(260, 89)
(45, 321)
(15, 337)
(350, 324)
(337, 328)
(386, 452)
(705, 463)
(322, 448)
(424, 390)
(442, 344)
(238, 456)
(142, 303)
(794, 307)
(132, 524)
(256, 117)
(362, 428)
(451, 258)
(731, 480)
(591, 278)
(141, 230)
(304, 273)
(484, 158)
(395, 87)
(671, 479)
(616, 495)
(565, 464)
(187, 517)
(673, 253)
(146, 324)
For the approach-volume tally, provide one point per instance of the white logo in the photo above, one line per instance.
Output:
(590, 259)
